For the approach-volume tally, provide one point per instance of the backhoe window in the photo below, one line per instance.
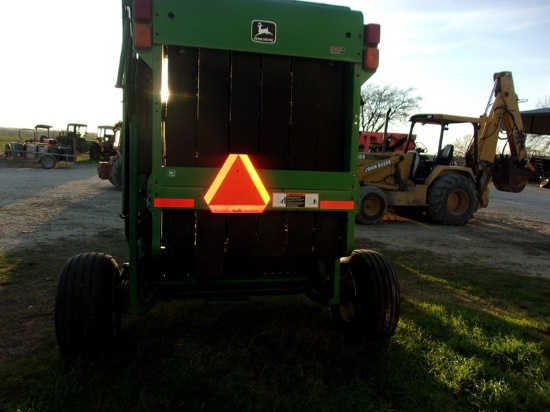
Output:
(432, 139)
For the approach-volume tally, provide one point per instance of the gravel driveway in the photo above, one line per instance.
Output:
(65, 210)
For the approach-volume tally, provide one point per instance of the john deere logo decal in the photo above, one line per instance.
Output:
(264, 31)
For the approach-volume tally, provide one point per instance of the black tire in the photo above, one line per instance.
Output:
(48, 162)
(95, 151)
(372, 205)
(88, 305)
(369, 298)
(116, 173)
(451, 200)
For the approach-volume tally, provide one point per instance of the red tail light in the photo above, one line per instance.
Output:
(142, 31)
(370, 58)
(372, 34)
(142, 36)
(142, 10)
(371, 39)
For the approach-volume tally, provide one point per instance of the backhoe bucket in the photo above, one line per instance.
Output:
(507, 177)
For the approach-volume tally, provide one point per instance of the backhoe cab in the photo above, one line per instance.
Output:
(411, 182)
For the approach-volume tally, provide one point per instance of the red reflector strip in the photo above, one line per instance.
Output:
(337, 204)
(163, 202)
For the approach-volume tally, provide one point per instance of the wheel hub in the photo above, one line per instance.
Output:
(371, 207)
(457, 203)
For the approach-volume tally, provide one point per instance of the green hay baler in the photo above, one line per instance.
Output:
(239, 148)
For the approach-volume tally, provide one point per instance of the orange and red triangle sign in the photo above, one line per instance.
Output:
(237, 188)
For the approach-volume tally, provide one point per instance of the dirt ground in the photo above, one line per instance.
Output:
(512, 233)
(69, 210)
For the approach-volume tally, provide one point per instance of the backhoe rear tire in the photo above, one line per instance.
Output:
(88, 305)
(451, 200)
(369, 298)
(372, 205)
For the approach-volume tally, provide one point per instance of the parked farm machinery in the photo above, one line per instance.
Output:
(44, 150)
(106, 144)
(75, 136)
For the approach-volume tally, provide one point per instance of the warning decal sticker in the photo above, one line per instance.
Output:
(296, 200)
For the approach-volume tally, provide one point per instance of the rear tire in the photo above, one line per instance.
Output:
(116, 172)
(88, 305)
(372, 205)
(369, 298)
(451, 200)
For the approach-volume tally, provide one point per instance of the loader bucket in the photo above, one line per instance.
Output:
(507, 177)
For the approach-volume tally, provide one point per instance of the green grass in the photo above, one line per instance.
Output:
(470, 338)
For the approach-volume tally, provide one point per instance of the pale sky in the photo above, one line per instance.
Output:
(60, 57)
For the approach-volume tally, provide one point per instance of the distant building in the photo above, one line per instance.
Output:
(536, 121)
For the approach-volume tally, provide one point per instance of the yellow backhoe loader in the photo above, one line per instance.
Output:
(412, 182)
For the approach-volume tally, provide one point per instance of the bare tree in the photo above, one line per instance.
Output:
(376, 100)
(461, 145)
(538, 145)
(544, 102)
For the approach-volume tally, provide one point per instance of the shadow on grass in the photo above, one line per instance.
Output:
(269, 354)
(283, 354)
(464, 342)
